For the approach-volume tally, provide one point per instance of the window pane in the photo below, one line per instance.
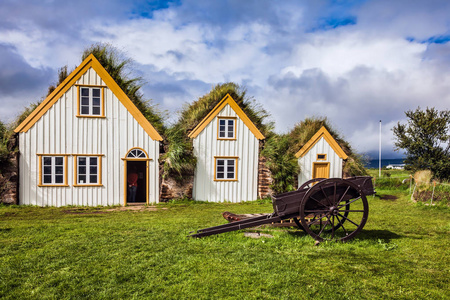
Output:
(47, 170)
(84, 110)
(59, 179)
(220, 175)
(47, 179)
(96, 101)
(82, 170)
(220, 162)
(222, 122)
(84, 101)
(81, 179)
(85, 92)
(58, 161)
(59, 170)
(93, 170)
(230, 134)
(230, 169)
(47, 161)
(220, 169)
(230, 175)
(82, 161)
(96, 92)
(93, 178)
(93, 161)
(231, 162)
(96, 111)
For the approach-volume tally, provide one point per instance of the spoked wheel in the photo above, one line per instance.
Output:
(325, 211)
(307, 185)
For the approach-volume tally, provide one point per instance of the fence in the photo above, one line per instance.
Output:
(439, 190)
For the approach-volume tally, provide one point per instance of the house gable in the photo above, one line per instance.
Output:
(323, 132)
(227, 100)
(89, 62)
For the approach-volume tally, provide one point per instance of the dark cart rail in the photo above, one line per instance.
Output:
(327, 209)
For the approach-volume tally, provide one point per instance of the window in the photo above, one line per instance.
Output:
(226, 169)
(90, 101)
(88, 170)
(136, 153)
(53, 170)
(227, 128)
(321, 157)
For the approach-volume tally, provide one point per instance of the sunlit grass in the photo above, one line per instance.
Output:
(56, 253)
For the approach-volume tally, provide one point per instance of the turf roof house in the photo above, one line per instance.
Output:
(76, 146)
(320, 157)
(226, 144)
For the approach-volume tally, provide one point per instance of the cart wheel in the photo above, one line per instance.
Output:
(309, 184)
(326, 207)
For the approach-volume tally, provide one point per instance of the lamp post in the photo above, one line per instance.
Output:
(379, 154)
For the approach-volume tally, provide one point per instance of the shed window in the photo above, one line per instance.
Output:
(90, 102)
(88, 170)
(321, 156)
(53, 170)
(227, 128)
(226, 169)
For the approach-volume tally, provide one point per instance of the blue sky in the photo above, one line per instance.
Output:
(355, 62)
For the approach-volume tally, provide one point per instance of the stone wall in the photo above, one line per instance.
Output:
(264, 179)
(9, 176)
(176, 189)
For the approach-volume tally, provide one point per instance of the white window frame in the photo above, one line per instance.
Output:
(90, 99)
(52, 170)
(87, 173)
(226, 164)
(225, 129)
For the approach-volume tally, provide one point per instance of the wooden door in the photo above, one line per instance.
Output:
(321, 170)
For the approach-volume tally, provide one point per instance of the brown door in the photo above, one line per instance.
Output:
(321, 170)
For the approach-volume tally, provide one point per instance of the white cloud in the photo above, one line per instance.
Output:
(355, 75)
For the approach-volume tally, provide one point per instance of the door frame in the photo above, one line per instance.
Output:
(126, 159)
(327, 164)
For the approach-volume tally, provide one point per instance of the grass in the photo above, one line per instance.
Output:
(95, 253)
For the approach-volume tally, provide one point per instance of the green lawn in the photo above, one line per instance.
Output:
(59, 253)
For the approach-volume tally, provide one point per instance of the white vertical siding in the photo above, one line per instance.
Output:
(59, 131)
(306, 162)
(245, 147)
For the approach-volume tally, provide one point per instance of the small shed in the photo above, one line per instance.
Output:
(226, 144)
(75, 148)
(320, 157)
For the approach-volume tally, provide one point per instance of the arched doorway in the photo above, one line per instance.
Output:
(136, 163)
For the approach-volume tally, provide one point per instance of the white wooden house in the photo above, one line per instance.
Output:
(76, 146)
(226, 144)
(320, 157)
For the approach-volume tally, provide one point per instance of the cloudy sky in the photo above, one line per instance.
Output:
(355, 62)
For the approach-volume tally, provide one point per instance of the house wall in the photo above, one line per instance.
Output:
(306, 162)
(59, 131)
(206, 147)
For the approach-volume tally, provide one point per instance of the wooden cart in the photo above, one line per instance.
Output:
(327, 209)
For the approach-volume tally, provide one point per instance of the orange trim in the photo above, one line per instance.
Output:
(40, 184)
(213, 113)
(99, 166)
(324, 156)
(236, 159)
(89, 62)
(218, 131)
(323, 132)
(102, 99)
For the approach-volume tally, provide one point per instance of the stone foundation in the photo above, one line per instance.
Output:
(264, 179)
